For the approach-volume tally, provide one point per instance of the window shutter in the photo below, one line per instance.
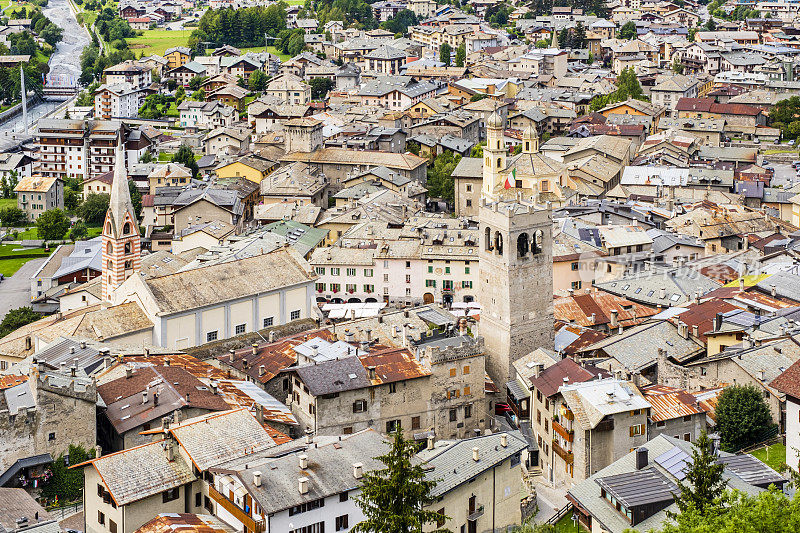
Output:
(631, 429)
(466, 390)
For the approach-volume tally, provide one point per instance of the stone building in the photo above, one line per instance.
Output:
(674, 412)
(515, 262)
(439, 392)
(40, 418)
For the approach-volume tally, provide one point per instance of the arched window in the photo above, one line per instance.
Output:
(498, 242)
(527, 146)
(538, 237)
(109, 248)
(128, 264)
(499, 161)
(108, 227)
(523, 246)
(109, 264)
(488, 239)
(127, 247)
(126, 229)
(498, 143)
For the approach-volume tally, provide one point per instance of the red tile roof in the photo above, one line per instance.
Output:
(703, 316)
(789, 382)
(670, 403)
(552, 377)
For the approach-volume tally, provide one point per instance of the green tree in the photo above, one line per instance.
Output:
(704, 484)
(444, 53)
(52, 225)
(400, 22)
(79, 231)
(769, 511)
(66, 483)
(393, 498)
(12, 216)
(16, 318)
(185, 157)
(136, 198)
(440, 181)
(742, 416)
(413, 147)
(320, 87)
(461, 55)
(93, 209)
(477, 151)
(258, 81)
(627, 31)
(677, 66)
(71, 199)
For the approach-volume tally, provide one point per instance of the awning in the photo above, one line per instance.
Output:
(25, 462)
(517, 391)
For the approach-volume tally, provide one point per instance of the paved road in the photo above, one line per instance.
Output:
(16, 291)
(784, 174)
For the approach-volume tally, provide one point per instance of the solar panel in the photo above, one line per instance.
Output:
(675, 461)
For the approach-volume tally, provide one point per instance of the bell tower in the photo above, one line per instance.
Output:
(515, 265)
(121, 239)
(494, 155)
(530, 140)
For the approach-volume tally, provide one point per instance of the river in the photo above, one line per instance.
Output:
(65, 66)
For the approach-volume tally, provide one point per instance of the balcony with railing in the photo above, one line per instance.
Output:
(256, 526)
(565, 433)
(566, 455)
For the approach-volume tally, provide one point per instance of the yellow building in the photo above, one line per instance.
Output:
(795, 209)
(177, 56)
(253, 168)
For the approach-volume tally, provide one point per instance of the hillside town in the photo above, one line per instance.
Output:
(400, 266)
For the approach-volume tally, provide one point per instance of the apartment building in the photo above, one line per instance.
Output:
(429, 260)
(117, 101)
(36, 194)
(139, 76)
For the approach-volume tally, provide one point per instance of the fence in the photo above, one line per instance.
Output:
(560, 514)
(766, 438)
(61, 513)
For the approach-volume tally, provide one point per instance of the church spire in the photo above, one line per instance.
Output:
(120, 201)
(121, 240)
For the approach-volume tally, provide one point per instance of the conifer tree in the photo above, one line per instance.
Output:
(393, 498)
(704, 485)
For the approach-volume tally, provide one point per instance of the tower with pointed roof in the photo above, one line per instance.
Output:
(494, 156)
(530, 140)
(121, 239)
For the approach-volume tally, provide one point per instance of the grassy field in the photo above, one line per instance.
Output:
(9, 263)
(769, 152)
(8, 202)
(157, 41)
(566, 525)
(270, 49)
(31, 234)
(777, 455)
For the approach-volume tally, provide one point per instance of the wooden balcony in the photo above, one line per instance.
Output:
(257, 526)
(566, 413)
(566, 434)
(564, 454)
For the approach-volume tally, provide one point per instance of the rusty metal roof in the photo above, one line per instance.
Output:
(393, 365)
(580, 308)
(185, 523)
(669, 403)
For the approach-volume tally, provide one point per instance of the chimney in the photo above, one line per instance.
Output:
(761, 375)
(83, 345)
(741, 283)
(309, 436)
(169, 451)
(144, 397)
(593, 318)
(571, 292)
(683, 330)
(128, 372)
(165, 420)
(430, 442)
(231, 355)
(641, 458)
(773, 290)
(476, 454)
(302, 485)
(697, 297)
(565, 380)
(371, 372)
(155, 398)
(262, 370)
(614, 318)
(747, 342)
(271, 336)
(303, 458)
(73, 371)
(255, 348)
(257, 478)
(176, 416)
(348, 335)
(504, 440)
(663, 292)
(695, 331)
(358, 470)
(98, 451)
(147, 352)
(537, 369)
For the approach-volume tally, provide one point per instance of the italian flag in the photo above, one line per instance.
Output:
(507, 184)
